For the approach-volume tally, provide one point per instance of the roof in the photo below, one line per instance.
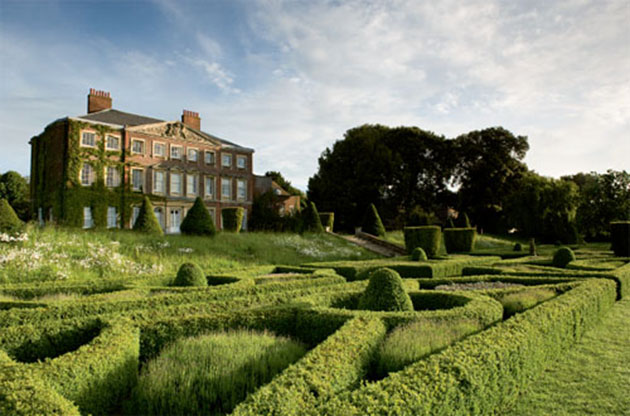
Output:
(121, 118)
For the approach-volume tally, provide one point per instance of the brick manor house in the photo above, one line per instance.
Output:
(94, 170)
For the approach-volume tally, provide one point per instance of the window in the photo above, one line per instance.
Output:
(137, 180)
(241, 162)
(137, 146)
(209, 191)
(87, 217)
(159, 150)
(241, 189)
(135, 212)
(112, 143)
(191, 184)
(226, 161)
(112, 217)
(87, 175)
(226, 188)
(176, 152)
(88, 139)
(192, 155)
(159, 182)
(176, 183)
(112, 176)
(209, 158)
(212, 214)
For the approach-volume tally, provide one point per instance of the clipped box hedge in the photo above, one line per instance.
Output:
(620, 237)
(427, 237)
(459, 240)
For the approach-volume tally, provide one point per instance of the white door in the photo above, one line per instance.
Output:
(176, 219)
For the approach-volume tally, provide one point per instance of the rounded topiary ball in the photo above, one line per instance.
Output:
(518, 247)
(418, 254)
(385, 293)
(563, 256)
(190, 274)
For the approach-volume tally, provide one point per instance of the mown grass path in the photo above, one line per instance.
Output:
(593, 378)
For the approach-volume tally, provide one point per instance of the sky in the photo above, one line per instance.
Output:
(289, 78)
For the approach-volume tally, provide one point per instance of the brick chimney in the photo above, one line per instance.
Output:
(98, 100)
(191, 119)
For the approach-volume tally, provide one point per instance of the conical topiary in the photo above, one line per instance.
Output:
(147, 222)
(372, 223)
(311, 220)
(198, 220)
(385, 292)
(190, 274)
(9, 221)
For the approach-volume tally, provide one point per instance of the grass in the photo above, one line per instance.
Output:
(211, 374)
(592, 378)
(63, 254)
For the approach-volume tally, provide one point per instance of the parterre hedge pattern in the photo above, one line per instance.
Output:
(82, 356)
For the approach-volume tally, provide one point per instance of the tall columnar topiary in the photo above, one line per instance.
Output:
(198, 220)
(311, 221)
(9, 221)
(563, 256)
(385, 292)
(147, 222)
(427, 237)
(463, 221)
(328, 220)
(620, 236)
(232, 219)
(372, 223)
(189, 274)
(459, 240)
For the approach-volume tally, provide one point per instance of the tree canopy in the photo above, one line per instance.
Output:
(14, 188)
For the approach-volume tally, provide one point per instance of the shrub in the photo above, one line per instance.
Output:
(427, 237)
(232, 219)
(620, 236)
(147, 222)
(372, 223)
(463, 221)
(211, 374)
(198, 220)
(450, 223)
(190, 274)
(311, 221)
(459, 240)
(9, 221)
(327, 219)
(563, 256)
(418, 254)
(418, 217)
(520, 301)
(385, 292)
(518, 247)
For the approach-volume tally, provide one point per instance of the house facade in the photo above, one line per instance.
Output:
(94, 170)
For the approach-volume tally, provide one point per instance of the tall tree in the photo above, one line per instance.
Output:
(14, 188)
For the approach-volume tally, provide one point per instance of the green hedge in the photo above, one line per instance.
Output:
(427, 237)
(620, 237)
(327, 219)
(485, 373)
(232, 219)
(459, 240)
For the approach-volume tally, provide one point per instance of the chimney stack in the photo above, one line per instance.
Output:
(191, 119)
(98, 100)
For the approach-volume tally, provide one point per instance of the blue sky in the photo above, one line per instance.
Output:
(288, 78)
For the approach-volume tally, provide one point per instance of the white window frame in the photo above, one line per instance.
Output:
(223, 159)
(195, 184)
(229, 196)
(213, 155)
(88, 219)
(144, 148)
(107, 136)
(196, 153)
(238, 189)
(156, 190)
(135, 212)
(173, 146)
(91, 175)
(112, 221)
(141, 187)
(116, 177)
(93, 133)
(209, 180)
(213, 213)
(181, 186)
(239, 159)
(155, 153)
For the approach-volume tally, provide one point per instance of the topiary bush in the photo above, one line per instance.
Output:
(190, 274)
(418, 254)
(620, 237)
(518, 247)
(459, 240)
(232, 219)
(310, 219)
(372, 223)
(427, 237)
(385, 292)
(198, 220)
(462, 221)
(9, 221)
(327, 219)
(563, 256)
(147, 222)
